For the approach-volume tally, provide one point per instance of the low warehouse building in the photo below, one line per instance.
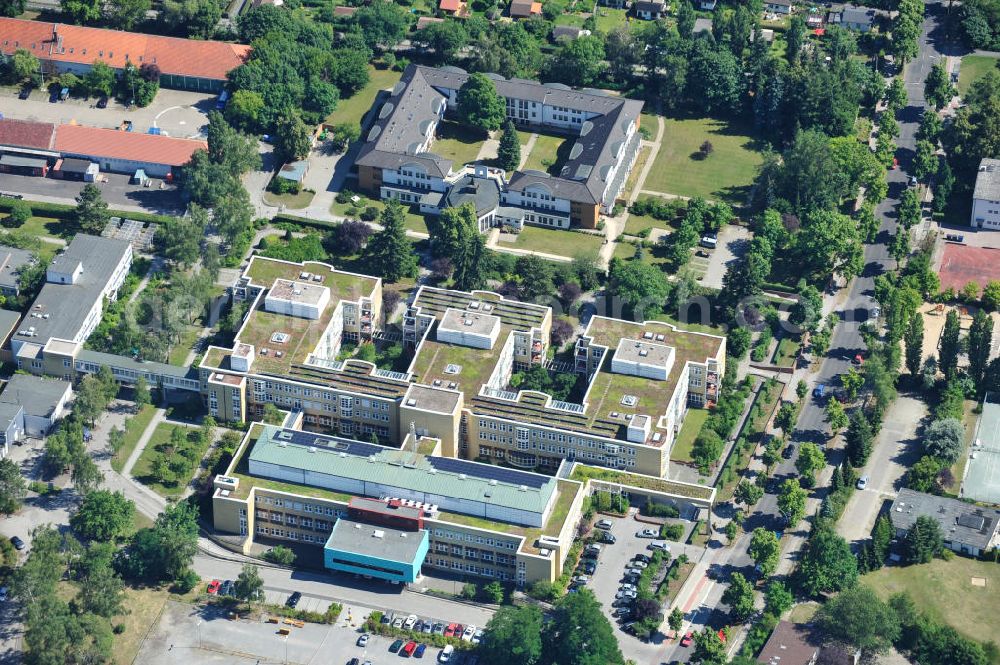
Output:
(186, 64)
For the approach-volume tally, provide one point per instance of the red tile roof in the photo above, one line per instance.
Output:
(521, 8)
(450, 5)
(344, 11)
(26, 134)
(115, 144)
(58, 42)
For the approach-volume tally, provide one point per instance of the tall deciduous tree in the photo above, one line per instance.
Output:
(810, 460)
(640, 285)
(923, 541)
(944, 439)
(827, 564)
(859, 439)
(509, 151)
(792, 501)
(764, 550)
(739, 596)
(292, 138)
(91, 213)
(103, 516)
(12, 486)
(938, 89)
(249, 586)
(950, 344)
(479, 105)
(579, 626)
(914, 343)
(456, 235)
(389, 253)
(859, 618)
(513, 634)
(980, 344)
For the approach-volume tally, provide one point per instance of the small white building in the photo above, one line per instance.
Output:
(31, 405)
(986, 197)
(778, 6)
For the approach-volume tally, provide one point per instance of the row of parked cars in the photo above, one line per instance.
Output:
(412, 622)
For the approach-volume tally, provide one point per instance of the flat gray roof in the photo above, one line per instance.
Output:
(12, 261)
(301, 291)
(470, 322)
(640, 351)
(379, 542)
(8, 320)
(67, 305)
(960, 522)
(982, 472)
(39, 396)
(430, 475)
(429, 398)
(123, 362)
(988, 180)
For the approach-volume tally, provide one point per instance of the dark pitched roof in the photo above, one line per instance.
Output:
(27, 134)
(483, 193)
(960, 522)
(414, 101)
(649, 5)
(788, 645)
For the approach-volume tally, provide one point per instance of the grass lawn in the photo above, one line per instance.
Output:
(290, 201)
(134, 428)
(457, 143)
(179, 352)
(549, 153)
(557, 241)
(142, 609)
(803, 612)
(413, 221)
(570, 19)
(154, 447)
(684, 444)
(624, 250)
(724, 174)
(633, 176)
(788, 349)
(649, 122)
(944, 591)
(608, 19)
(974, 66)
(635, 224)
(970, 418)
(353, 109)
(45, 227)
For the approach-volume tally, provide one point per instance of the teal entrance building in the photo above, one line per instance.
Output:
(383, 540)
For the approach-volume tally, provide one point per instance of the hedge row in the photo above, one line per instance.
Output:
(65, 212)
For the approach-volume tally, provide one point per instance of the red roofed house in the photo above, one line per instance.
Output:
(453, 7)
(525, 9)
(186, 64)
(126, 152)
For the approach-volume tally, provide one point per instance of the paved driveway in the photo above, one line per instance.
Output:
(897, 449)
(611, 569)
(734, 241)
(176, 112)
(186, 634)
(116, 191)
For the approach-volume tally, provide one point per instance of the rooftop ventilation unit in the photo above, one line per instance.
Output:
(647, 335)
(411, 402)
(523, 488)
(452, 368)
(629, 400)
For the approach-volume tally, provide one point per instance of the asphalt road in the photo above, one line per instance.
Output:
(846, 340)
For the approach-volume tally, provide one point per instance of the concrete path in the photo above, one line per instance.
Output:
(489, 150)
(615, 226)
(526, 150)
(159, 417)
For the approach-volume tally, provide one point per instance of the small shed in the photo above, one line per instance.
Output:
(294, 171)
(72, 168)
(140, 178)
(24, 165)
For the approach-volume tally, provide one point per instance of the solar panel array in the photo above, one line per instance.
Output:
(487, 472)
(313, 440)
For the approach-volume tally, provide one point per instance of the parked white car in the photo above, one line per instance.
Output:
(470, 630)
(410, 622)
(659, 545)
(647, 533)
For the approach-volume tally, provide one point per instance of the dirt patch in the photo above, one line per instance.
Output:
(961, 264)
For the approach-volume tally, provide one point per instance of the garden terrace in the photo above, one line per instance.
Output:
(476, 364)
(582, 473)
(303, 336)
(343, 285)
(517, 315)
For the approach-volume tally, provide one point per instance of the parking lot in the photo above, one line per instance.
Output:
(733, 243)
(176, 112)
(202, 634)
(117, 191)
(613, 560)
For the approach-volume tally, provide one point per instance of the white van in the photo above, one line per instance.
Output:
(446, 653)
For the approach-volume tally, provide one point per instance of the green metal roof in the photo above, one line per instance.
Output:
(406, 470)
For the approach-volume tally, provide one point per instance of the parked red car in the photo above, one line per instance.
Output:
(451, 630)
(213, 587)
(687, 639)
